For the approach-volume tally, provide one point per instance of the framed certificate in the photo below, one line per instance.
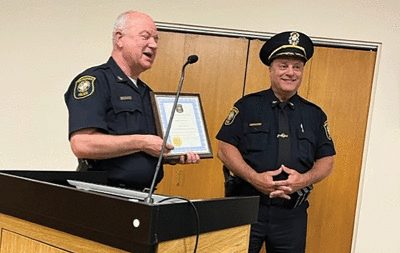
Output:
(188, 130)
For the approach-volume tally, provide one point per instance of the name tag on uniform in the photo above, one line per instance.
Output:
(255, 124)
(123, 98)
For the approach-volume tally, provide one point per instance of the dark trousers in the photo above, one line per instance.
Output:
(283, 230)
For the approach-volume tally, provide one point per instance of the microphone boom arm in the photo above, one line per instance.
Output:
(191, 59)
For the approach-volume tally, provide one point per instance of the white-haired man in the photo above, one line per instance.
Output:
(111, 123)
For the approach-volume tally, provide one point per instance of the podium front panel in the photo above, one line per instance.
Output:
(110, 219)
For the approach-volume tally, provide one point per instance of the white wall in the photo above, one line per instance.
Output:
(44, 44)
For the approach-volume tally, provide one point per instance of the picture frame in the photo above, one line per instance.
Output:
(188, 129)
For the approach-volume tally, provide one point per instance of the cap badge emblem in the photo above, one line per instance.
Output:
(294, 38)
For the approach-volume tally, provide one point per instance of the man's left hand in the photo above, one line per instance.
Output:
(189, 158)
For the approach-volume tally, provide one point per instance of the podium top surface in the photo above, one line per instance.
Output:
(113, 220)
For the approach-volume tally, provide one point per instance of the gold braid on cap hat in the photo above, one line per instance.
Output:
(293, 40)
(288, 46)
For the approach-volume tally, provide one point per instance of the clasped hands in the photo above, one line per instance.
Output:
(281, 188)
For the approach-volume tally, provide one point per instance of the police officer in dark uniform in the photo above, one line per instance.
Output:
(276, 144)
(111, 123)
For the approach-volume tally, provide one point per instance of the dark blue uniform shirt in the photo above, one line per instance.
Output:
(252, 127)
(103, 97)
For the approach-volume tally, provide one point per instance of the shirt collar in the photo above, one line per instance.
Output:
(121, 77)
(275, 101)
(118, 73)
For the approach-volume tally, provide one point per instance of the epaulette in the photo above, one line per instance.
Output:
(309, 103)
(93, 69)
(252, 95)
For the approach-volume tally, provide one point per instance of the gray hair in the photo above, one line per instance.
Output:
(120, 24)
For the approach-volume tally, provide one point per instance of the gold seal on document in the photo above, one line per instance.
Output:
(177, 141)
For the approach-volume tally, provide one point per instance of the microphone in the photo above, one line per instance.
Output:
(191, 59)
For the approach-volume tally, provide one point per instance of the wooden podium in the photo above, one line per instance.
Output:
(40, 213)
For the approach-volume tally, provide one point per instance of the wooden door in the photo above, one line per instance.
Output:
(338, 80)
(218, 77)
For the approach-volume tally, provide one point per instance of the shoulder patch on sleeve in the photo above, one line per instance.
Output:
(84, 87)
(326, 127)
(231, 116)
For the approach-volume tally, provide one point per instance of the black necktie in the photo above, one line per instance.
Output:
(284, 154)
(284, 157)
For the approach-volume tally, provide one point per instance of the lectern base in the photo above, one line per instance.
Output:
(17, 235)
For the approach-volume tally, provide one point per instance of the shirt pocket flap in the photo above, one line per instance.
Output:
(126, 106)
(307, 136)
(254, 128)
(256, 136)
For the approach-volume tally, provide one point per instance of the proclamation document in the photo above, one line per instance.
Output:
(188, 130)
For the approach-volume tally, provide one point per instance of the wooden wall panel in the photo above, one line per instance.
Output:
(218, 76)
(341, 83)
(257, 77)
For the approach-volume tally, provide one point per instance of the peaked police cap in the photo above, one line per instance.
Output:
(294, 44)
